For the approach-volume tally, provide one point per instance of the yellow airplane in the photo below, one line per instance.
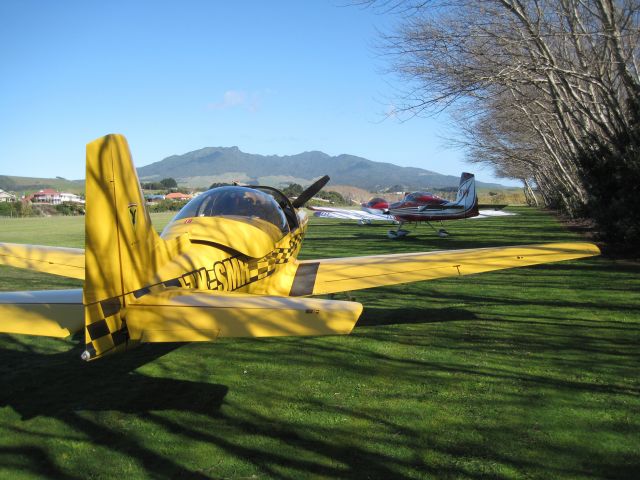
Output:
(225, 266)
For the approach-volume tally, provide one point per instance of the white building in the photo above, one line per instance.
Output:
(51, 196)
(6, 196)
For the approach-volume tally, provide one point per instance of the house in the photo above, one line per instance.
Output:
(178, 196)
(51, 196)
(70, 197)
(6, 196)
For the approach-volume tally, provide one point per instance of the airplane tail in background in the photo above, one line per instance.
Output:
(121, 246)
(466, 196)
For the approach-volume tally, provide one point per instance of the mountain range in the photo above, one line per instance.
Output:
(203, 167)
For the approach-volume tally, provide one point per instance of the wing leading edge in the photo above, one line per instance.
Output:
(319, 277)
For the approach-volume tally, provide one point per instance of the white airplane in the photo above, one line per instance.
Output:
(417, 207)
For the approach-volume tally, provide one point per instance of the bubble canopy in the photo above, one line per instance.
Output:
(236, 201)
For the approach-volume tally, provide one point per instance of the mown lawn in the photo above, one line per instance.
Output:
(519, 374)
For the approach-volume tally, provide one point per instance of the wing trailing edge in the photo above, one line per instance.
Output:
(49, 313)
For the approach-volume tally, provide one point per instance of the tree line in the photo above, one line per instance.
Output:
(164, 184)
(545, 91)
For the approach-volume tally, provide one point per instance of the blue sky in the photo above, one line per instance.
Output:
(268, 77)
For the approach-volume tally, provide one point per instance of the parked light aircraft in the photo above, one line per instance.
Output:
(375, 205)
(225, 266)
(417, 207)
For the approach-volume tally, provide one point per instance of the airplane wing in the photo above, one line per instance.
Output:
(182, 315)
(50, 313)
(492, 213)
(67, 262)
(318, 277)
(346, 214)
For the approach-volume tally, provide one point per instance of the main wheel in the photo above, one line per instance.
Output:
(443, 233)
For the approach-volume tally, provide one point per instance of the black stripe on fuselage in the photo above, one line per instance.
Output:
(304, 280)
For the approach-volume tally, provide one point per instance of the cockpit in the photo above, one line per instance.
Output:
(418, 196)
(236, 201)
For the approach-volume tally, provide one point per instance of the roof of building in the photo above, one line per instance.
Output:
(177, 196)
(47, 191)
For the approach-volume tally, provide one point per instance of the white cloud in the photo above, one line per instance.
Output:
(238, 99)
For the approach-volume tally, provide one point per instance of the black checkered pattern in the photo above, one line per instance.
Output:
(256, 269)
(109, 331)
(262, 268)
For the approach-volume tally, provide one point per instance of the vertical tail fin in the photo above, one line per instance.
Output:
(466, 195)
(120, 243)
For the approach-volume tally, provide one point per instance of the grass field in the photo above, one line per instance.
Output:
(521, 374)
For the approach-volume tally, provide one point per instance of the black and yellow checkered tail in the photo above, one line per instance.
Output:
(121, 246)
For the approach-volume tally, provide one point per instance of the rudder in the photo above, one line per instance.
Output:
(466, 196)
(121, 246)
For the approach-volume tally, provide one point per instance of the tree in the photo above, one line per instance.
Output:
(169, 183)
(545, 91)
(333, 197)
(293, 190)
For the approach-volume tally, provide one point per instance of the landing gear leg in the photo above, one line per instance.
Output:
(399, 233)
(441, 232)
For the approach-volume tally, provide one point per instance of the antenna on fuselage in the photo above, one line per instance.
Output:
(308, 194)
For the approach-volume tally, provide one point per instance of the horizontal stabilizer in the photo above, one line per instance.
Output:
(319, 277)
(489, 213)
(197, 315)
(50, 313)
(67, 262)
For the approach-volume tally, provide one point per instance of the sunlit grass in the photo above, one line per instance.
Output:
(526, 373)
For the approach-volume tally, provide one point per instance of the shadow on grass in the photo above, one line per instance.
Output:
(32, 382)
(373, 316)
(276, 445)
(63, 387)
